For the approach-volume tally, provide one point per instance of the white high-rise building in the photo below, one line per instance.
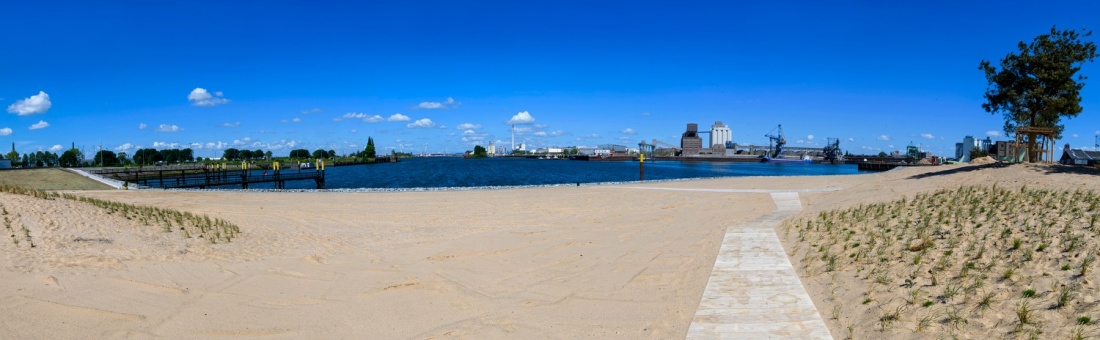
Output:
(492, 149)
(720, 134)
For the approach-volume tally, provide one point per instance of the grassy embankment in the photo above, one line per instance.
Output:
(49, 179)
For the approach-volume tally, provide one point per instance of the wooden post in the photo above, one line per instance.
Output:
(641, 167)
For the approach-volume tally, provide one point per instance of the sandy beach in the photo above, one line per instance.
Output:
(621, 261)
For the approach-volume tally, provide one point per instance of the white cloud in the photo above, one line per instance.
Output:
(236, 124)
(883, 137)
(558, 133)
(39, 103)
(124, 147)
(468, 126)
(927, 136)
(284, 121)
(540, 134)
(5, 132)
(314, 110)
(142, 126)
(521, 118)
(373, 119)
(168, 128)
(40, 125)
(993, 133)
(350, 115)
(890, 146)
(592, 136)
(469, 132)
(422, 123)
(56, 147)
(809, 137)
(397, 117)
(200, 97)
(296, 120)
(165, 145)
(1076, 135)
(448, 104)
(628, 131)
(354, 130)
(851, 139)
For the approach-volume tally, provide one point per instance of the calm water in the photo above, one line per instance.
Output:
(457, 172)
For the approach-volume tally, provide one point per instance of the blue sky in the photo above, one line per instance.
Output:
(442, 76)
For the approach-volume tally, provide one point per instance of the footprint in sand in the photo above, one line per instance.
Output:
(52, 281)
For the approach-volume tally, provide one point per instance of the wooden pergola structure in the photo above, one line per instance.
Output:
(1041, 147)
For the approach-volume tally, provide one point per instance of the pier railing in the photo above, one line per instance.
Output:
(206, 177)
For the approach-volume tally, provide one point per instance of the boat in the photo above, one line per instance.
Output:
(804, 159)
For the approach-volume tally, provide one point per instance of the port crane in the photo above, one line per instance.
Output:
(778, 141)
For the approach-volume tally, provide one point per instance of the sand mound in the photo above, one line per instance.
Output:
(983, 160)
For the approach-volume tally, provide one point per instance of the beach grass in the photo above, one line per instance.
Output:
(973, 262)
(188, 224)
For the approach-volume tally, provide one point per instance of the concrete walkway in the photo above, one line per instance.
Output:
(753, 291)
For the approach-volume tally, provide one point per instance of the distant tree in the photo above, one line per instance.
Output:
(231, 154)
(299, 153)
(246, 154)
(369, 152)
(187, 155)
(882, 154)
(318, 154)
(122, 157)
(71, 158)
(26, 160)
(479, 152)
(171, 156)
(331, 153)
(267, 154)
(258, 154)
(1037, 87)
(13, 155)
(106, 158)
(157, 156)
(145, 156)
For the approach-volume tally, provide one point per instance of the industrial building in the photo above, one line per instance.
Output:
(720, 136)
(969, 143)
(690, 142)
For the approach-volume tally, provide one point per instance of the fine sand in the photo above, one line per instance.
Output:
(563, 262)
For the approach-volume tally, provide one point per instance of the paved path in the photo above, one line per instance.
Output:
(753, 291)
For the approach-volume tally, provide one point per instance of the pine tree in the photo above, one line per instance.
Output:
(369, 151)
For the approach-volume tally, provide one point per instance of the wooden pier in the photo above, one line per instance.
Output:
(204, 177)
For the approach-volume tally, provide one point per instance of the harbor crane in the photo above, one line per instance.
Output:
(778, 140)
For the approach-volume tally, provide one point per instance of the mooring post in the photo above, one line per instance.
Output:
(641, 167)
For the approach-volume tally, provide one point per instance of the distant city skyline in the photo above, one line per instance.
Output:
(443, 77)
